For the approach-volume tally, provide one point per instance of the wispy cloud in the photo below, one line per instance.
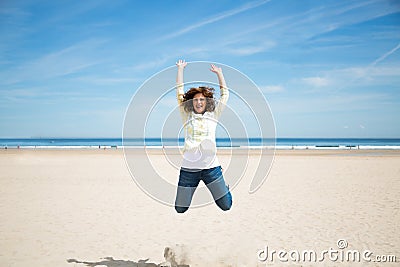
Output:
(62, 62)
(13, 28)
(13, 12)
(335, 17)
(42, 95)
(91, 79)
(315, 23)
(319, 103)
(155, 63)
(349, 78)
(385, 55)
(272, 88)
(370, 73)
(166, 60)
(308, 25)
(216, 18)
(76, 9)
(245, 50)
(316, 81)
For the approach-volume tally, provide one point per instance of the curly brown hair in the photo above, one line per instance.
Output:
(207, 92)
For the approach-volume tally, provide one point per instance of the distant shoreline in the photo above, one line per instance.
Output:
(222, 143)
(244, 148)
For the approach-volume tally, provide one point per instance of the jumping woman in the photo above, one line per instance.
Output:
(200, 114)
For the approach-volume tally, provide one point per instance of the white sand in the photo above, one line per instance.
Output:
(84, 206)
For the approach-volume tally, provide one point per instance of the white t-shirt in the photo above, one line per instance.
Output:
(202, 157)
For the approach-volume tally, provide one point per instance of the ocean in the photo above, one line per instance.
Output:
(280, 143)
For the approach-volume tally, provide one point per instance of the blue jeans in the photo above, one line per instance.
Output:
(189, 180)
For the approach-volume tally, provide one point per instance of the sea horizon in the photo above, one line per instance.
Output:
(278, 143)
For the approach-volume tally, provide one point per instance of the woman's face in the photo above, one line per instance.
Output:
(199, 103)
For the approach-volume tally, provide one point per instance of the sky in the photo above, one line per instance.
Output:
(326, 68)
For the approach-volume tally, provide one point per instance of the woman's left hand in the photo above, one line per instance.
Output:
(215, 69)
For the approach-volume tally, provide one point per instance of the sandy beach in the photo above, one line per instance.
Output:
(82, 208)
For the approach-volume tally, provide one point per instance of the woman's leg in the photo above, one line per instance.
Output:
(188, 182)
(214, 180)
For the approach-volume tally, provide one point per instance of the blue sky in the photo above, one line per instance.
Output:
(326, 68)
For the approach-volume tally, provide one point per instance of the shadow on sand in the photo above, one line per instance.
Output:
(169, 256)
(111, 262)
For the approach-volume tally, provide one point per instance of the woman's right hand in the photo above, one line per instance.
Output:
(181, 64)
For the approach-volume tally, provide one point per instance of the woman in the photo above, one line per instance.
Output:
(200, 115)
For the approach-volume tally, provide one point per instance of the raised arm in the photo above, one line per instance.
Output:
(181, 64)
(223, 89)
(220, 75)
